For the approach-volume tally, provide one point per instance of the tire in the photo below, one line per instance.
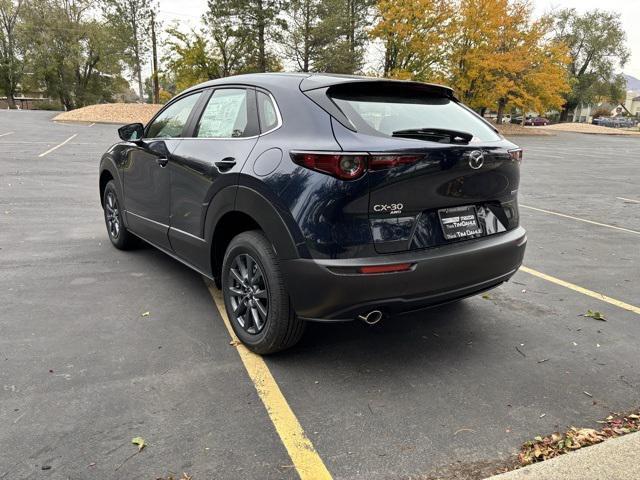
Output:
(120, 237)
(257, 304)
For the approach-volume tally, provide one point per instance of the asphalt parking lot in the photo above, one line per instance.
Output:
(444, 392)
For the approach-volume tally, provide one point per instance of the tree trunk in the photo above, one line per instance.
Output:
(502, 103)
(156, 83)
(11, 101)
(262, 61)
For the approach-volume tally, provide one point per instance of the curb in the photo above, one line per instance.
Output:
(615, 459)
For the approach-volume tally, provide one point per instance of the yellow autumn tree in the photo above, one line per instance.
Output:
(414, 35)
(528, 70)
(490, 51)
(472, 49)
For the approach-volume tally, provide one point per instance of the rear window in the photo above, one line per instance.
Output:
(388, 113)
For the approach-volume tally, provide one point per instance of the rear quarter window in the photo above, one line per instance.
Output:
(388, 112)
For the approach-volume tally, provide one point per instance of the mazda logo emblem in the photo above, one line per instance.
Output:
(476, 159)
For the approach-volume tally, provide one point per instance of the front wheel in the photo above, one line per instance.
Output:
(118, 234)
(255, 298)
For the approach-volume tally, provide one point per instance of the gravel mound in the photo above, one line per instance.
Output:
(121, 113)
(512, 130)
(588, 128)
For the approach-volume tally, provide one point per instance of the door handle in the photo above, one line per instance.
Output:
(226, 164)
(162, 161)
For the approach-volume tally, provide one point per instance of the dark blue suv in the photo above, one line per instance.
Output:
(319, 197)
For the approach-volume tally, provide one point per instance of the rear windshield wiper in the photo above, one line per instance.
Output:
(441, 135)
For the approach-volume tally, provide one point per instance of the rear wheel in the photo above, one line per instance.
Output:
(255, 298)
(118, 234)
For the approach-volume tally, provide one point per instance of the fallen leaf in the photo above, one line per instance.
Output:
(139, 441)
(595, 315)
(486, 296)
(145, 314)
(234, 343)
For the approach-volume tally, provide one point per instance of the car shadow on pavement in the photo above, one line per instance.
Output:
(437, 333)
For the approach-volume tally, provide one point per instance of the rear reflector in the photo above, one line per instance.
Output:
(398, 267)
(350, 166)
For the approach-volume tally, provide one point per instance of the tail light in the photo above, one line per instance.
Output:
(345, 167)
(516, 154)
(380, 162)
(350, 166)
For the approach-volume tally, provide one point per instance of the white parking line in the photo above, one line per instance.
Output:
(581, 219)
(628, 200)
(58, 146)
(5, 134)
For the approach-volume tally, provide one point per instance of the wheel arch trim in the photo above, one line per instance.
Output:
(263, 212)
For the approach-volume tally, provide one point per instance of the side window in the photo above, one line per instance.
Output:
(225, 116)
(266, 112)
(173, 119)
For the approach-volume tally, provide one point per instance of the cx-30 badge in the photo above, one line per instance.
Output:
(476, 159)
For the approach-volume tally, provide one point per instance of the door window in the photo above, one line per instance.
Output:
(172, 119)
(226, 115)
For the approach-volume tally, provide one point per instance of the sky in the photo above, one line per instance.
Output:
(188, 13)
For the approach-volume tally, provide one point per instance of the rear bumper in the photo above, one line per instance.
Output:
(441, 274)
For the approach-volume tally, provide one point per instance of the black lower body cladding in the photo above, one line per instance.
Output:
(321, 291)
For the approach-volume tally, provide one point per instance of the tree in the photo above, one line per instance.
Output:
(302, 40)
(133, 19)
(527, 71)
(231, 42)
(343, 30)
(190, 58)
(490, 51)
(597, 48)
(73, 54)
(414, 36)
(255, 24)
(11, 63)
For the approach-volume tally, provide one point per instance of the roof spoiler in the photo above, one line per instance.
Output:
(318, 81)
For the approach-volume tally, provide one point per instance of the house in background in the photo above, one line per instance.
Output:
(25, 100)
(632, 103)
(631, 106)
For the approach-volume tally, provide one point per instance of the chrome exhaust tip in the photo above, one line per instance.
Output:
(371, 318)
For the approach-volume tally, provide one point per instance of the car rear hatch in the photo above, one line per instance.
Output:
(438, 173)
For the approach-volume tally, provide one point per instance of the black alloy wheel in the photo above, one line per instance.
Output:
(118, 234)
(255, 297)
(248, 294)
(112, 215)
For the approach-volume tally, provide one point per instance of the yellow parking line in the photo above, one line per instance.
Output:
(582, 290)
(581, 219)
(306, 460)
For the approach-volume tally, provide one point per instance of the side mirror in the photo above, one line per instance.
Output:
(131, 132)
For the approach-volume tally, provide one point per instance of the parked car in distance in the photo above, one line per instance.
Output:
(313, 197)
(615, 122)
(536, 122)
